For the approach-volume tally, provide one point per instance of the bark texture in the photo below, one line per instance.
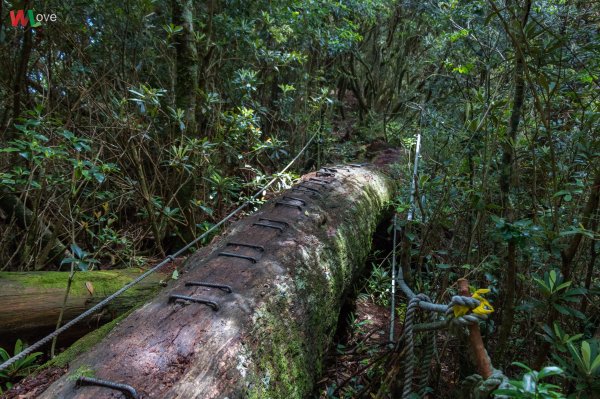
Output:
(269, 336)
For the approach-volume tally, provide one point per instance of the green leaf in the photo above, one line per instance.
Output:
(575, 337)
(77, 251)
(575, 354)
(576, 313)
(550, 371)
(100, 177)
(563, 285)
(522, 365)
(529, 383)
(561, 309)
(595, 364)
(18, 347)
(175, 275)
(10, 149)
(542, 284)
(576, 291)
(4, 355)
(67, 261)
(83, 266)
(553, 276)
(576, 230)
(586, 351)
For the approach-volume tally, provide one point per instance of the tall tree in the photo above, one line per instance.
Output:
(518, 20)
(186, 86)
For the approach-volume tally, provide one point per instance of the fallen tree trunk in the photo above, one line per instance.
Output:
(31, 302)
(269, 335)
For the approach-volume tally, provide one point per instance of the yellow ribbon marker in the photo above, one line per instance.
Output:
(484, 306)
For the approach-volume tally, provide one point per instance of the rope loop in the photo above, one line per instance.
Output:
(409, 342)
(467, 319)
(467, 301)
(423, 297)
(475, 387)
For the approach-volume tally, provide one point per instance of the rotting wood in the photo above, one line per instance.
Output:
(269, 336)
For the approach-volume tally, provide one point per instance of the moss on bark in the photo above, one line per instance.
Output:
(103, 281)
(84, 343)
(292, 345)
(33, 300)
(270, 335)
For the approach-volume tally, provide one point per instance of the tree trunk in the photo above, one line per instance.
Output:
(20, 80)
(186, 87)
(507, 178)
(270, 335)
(31, 302)
(569, 253)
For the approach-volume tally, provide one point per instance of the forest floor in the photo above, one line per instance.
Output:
(364, 335)
(35, 384)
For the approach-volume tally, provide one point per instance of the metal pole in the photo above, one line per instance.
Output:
(393, 309)
(413, 184)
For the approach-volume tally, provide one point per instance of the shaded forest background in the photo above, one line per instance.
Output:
(128, 129)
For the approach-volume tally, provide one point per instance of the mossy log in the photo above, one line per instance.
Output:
(269, 336)
(31, 301)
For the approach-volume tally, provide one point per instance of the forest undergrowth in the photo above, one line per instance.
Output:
(130, 128)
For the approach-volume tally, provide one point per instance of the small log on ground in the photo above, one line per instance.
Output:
(31, 302)
(269, 336)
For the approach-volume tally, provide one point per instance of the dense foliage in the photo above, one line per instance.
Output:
(128, 128)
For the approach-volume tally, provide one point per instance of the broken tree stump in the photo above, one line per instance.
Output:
(288, 266)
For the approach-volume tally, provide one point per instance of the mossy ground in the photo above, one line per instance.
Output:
(84, 343)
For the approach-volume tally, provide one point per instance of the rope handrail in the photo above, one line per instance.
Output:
(164, 262)
(492, 377)
(495, 377)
